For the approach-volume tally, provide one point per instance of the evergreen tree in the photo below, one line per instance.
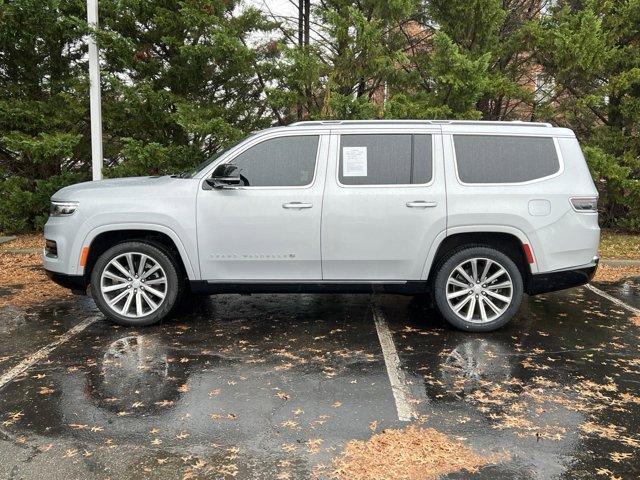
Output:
(357, 51)
(592, 50)
(180, 82)
(43, 107)
(179, 77)
(471, 61)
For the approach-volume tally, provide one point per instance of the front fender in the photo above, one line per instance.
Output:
(188, 254)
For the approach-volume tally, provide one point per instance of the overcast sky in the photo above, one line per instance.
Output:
(277, 7)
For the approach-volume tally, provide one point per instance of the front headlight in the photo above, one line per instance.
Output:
(63, 209)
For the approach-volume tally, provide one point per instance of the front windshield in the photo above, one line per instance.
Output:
(194, 171)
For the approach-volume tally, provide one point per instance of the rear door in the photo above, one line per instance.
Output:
(384, 203)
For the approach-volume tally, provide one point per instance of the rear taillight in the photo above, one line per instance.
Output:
(585, 204)
(528, 253)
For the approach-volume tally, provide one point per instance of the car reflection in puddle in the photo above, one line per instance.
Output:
(473, 362)
(134, 374)
(480, 394)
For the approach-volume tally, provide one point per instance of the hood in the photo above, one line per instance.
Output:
(129, 186)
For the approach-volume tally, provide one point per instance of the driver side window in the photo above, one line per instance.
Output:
(279, 162)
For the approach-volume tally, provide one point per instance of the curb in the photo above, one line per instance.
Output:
(615, 262)
(6, 239)
(21, 250)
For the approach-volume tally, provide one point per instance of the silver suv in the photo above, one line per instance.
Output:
(474, 213)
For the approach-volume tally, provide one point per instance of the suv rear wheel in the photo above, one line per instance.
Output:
(135, 283)
(478, 289)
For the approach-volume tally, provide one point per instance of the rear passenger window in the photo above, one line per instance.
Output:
(504, 159)
(391, 159)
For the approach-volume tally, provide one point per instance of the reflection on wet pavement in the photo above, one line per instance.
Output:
(627, 290)
(547, 388)
(22, 332)
(274, 386)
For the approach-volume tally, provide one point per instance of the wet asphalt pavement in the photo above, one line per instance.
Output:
(274, 386)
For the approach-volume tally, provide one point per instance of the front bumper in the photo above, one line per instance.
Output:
(76, 283)
(561, 279)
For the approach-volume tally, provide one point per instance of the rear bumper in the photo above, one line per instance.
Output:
(561, 279)
(76, 283)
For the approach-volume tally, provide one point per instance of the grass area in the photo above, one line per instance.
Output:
(619, 245)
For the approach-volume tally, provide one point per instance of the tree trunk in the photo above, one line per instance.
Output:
(307, 21)
(301, 22)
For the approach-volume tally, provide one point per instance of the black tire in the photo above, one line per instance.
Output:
(457, 257)
(174, 286)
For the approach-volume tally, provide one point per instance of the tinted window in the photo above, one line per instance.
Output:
(279, 162)
(385, 159)
(504, 159)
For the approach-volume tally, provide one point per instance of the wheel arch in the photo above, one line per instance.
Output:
(101, 239)
(510, 242)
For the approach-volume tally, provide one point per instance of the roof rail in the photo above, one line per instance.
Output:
(309, 123)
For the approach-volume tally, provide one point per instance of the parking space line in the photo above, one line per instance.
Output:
(613, 299)
(399, 386)
(44, 352)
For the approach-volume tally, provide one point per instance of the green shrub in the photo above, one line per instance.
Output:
(24, 203)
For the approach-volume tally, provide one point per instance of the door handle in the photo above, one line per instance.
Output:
(422, 204)
(296, 205)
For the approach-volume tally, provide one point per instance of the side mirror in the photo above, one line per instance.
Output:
(225, 176)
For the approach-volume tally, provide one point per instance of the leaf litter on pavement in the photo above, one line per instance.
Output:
(411, 453)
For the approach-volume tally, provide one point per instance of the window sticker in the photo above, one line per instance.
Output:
(354, 161)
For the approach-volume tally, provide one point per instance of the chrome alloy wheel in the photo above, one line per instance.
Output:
(133, 284)
(479, 290)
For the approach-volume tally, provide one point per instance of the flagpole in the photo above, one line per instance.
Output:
(95, 101)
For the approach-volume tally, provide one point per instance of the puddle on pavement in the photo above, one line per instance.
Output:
(627, 290)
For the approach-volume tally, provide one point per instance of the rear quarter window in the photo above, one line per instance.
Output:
(504, 159)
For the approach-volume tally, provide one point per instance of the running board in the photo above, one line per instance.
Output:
(344, 286)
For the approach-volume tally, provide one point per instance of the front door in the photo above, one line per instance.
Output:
(269, 228)
(385, 203)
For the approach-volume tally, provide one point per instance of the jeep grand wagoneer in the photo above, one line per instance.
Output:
(473, 213)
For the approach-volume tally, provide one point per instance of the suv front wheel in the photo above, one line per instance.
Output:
(135, 283)
(478, 289)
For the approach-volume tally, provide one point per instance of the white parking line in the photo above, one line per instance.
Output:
(44, 352)
(399, 386)
(613, 299)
